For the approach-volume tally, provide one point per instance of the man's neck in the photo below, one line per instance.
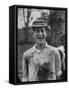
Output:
(40, 46)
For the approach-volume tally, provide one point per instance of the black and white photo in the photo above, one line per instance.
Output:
(41, 41)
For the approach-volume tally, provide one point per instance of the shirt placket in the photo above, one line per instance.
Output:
(38, 59)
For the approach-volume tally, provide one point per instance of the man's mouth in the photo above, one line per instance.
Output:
(40, 37)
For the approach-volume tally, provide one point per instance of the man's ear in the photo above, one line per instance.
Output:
(46, 34)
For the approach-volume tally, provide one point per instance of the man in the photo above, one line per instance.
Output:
(42, 61)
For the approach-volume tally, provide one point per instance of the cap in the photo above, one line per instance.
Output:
(39, 22)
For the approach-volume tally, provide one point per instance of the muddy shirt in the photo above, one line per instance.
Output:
(41, 65)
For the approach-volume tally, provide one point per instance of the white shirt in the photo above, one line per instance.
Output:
(35, 61)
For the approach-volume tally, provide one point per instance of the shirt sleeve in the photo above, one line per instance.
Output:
(63, 61)
(58, 64)
(25, 77)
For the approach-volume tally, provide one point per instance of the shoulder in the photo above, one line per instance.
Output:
(28, 52)
(53, 49)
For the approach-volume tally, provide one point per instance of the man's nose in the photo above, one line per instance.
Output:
(40, 33)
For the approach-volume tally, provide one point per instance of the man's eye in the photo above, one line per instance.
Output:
(42, 31)
(37, 31)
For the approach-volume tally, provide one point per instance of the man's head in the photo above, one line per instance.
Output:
(39, 34)
(39, 28)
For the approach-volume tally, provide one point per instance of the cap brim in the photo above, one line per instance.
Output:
(38, 26)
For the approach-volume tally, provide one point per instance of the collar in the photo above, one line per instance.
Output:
(35, 49)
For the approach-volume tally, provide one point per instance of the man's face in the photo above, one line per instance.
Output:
(39, 34)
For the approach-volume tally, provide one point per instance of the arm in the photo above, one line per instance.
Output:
(24, 67)
(58, 64)
(63, 61)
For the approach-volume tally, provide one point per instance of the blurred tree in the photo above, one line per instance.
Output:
(26, 16)
(57, 23)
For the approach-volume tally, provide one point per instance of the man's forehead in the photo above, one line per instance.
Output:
(38, 28)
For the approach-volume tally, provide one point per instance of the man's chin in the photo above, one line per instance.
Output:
(40, 43)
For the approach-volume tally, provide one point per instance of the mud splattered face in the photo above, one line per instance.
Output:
(39, 34)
